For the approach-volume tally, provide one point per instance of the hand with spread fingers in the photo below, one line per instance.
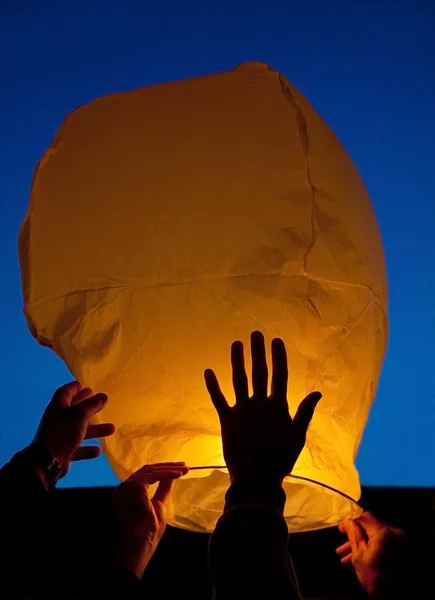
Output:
(378, 553)
(258, 434)
(65, 425)
(143, 519)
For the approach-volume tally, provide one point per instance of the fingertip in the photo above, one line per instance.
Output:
(91, 406)
(210, 380)
(237, 344)
(257, 336)
(183, 466)
(208, 375)
(86, 453)
(99, 400)
(73, 386)
(237, 351)
(345, 525)
(312, 400)
(107, 429)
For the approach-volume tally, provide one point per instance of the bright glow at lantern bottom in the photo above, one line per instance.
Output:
(201, 493)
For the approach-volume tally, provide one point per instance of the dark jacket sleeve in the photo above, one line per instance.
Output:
(23, 523)
(112, 582)
(24, 534)
(248, 554)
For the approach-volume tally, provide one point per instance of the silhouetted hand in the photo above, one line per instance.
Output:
(65, 425)
(377, 552)
(258, 434)
(143, 519)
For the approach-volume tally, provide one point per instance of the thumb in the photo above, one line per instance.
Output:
(161, 497)
(371, 525)
(217, 397)
(163, 490)
(305, 412)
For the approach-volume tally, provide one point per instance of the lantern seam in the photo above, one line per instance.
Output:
(302, 130)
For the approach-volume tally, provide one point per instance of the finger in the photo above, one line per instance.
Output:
(160, 499)
(162, 470)
(64, 395)
(345, 560)
(305, 412)
(92, 406)
(345, 526)
(344, 549)
(163, 490)
(280, 370)
(354, 534)
(240, 379)
(160, 466)
(99, 431)
(148, 479)
(219, 401)
(82, 395)
(86, 453)
(259, 365)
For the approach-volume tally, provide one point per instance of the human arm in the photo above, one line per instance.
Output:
(248, 553)
(27, 480)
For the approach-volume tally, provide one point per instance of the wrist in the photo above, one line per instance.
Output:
(125, 556)
(393, 594)
(256, 477)
(26, 459)
(129, 564)
(257, 490)
(394, 587)
(47, 467)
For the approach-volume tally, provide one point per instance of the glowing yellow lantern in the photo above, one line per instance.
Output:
(168, 221)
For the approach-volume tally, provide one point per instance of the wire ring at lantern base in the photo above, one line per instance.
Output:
(328, 487)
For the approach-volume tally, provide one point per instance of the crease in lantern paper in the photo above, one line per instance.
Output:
(302, 130)
(144, 286)
(140, 431)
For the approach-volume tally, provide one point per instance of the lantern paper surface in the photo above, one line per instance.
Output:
(168, 221)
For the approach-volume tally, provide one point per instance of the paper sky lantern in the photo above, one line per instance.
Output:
(168, 221)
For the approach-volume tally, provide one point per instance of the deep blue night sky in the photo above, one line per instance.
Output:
(368, 67)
